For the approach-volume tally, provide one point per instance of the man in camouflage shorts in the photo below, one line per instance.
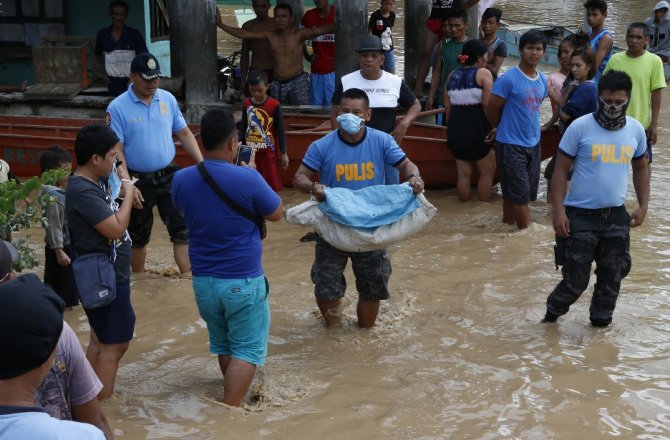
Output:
(591, 222)
(347, 148)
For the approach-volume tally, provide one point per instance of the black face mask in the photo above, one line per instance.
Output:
(611, 117)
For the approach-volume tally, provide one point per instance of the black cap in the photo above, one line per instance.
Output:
(146, 65)
(370, 43)
(31, 321)
(8, 256)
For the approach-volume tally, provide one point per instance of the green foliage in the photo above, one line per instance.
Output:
(18, 210)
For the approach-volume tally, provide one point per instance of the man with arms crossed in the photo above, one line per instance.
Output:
(144, 118)
(290, 85)
(225, 248)
(351, 145)
(591, 222)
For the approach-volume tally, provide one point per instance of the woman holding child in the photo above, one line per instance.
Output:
(470, 135)
(98, 225)
(581, 95)
(578, 97)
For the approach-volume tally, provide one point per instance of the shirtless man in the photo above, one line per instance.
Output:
(290, 85)
(261, 55)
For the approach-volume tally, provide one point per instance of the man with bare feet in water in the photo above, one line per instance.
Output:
(225, 207)
(290, 85)
(337, 158)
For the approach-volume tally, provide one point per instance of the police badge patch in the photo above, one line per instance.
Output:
(108, 119)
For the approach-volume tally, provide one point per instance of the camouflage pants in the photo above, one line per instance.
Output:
(371, 269)
(604, 239)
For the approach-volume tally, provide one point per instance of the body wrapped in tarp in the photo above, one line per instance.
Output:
(366, 219)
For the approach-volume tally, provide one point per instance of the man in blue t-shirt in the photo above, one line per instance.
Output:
(354, 157)
(225, 250)
(514, 109)
(116, 46)
(145, 118)
(591, 222)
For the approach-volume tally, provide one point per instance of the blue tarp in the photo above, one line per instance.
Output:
(369, 207)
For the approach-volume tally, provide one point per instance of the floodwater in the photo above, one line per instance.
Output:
(458, 352)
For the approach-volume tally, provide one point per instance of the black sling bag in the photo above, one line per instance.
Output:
(255, 219)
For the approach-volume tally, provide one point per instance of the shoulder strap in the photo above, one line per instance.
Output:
(257, 220)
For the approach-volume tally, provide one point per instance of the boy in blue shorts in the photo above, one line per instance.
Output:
(514, 109)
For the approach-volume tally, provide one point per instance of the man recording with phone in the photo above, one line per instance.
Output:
(230, 288)
(246, 156)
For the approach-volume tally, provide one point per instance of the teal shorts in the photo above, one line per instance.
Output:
(237, 313)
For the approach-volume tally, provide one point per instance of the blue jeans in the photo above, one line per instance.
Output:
(237, 313)
(389, 61)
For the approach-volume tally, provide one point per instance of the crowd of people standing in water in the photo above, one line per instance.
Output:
(607, 106)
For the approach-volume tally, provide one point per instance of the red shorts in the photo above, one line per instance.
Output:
(266, 164)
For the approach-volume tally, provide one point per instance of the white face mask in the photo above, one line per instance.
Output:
(114, 183)
(350, 123)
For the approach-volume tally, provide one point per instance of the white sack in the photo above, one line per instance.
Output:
(351, 239)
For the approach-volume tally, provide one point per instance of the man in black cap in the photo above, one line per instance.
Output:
(8, 256)
(385, 91)
(145, 118)
(70, 389)
(31, 322)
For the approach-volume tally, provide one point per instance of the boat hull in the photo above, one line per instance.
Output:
(23, 138)
(511, 33)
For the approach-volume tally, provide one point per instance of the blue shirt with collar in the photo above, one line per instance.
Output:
(146, 130)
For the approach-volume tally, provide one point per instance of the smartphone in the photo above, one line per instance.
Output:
(244, 154)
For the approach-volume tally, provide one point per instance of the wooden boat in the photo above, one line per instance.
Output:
(22, 138)
(510, 33)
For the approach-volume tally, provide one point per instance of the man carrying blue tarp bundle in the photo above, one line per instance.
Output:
(353, 157)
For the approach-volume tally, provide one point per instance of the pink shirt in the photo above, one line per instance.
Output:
(555, 83)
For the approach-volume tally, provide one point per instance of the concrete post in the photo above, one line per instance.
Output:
(298, 9)
(473, 22)
(416, 13)
(351, 18)
(194, 25)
